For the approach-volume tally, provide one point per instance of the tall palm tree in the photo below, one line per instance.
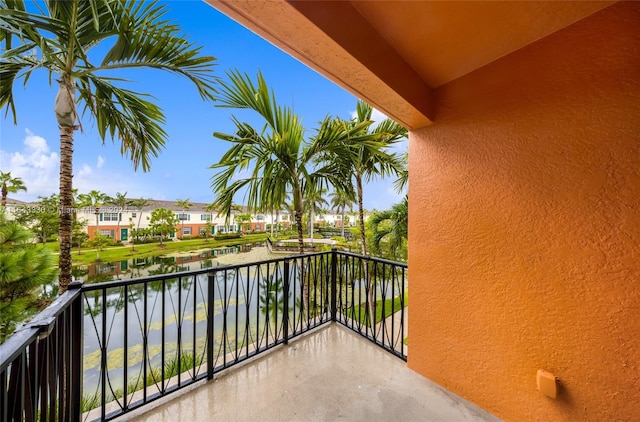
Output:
(364, 161)
(341, 199)
(390, 228)
(57, 37)
(94, 199)
(279, 158)
(121, 202)
(10, 184)
(185, 204)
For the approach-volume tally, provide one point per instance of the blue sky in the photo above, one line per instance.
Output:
(30, 149)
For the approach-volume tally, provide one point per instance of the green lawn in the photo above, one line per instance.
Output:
(389, 309)
(120, 253)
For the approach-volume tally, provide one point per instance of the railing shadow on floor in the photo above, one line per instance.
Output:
(102, 350)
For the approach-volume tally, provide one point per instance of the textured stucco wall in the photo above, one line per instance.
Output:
(524, 248)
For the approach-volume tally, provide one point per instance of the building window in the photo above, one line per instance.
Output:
(106, 232)
(183, 217)
(133, 215)
(260, 217)
(284, 218)
(205, 217)
(186, 231)
(258, 227)
(110, 216)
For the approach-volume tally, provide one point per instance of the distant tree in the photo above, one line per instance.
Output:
(42, 218)
(210, 208)
(139, 205)
(207, 230)
(314, 200)
(94, 200)
(163, 222)
(185, 205)
(10, 185)
(99, 242)
(24, 267)
(79, 236)
(121, 203)
(243, 221)
(341, 199)
(133, 233)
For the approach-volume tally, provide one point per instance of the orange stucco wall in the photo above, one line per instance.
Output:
(524, 248)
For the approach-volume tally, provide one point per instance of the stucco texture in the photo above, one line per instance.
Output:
(524, 248)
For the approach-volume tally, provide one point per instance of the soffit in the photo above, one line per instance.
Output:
(393, 54)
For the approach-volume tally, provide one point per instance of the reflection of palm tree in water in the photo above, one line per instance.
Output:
(272, 299)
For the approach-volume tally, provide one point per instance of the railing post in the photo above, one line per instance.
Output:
(77, 339)
(334, 287)
(285, 307)
(211, 278)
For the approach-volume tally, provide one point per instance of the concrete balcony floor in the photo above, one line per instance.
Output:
(329, 374)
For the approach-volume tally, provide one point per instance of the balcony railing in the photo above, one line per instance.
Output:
(102, 350)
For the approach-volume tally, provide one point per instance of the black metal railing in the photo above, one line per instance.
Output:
(41, 364)
(141, 339)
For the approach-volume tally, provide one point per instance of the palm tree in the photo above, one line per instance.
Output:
(94, 199)
(139, 205)
(210, 208)
(363, 161)
(121, 202)
(280, 159)
(403, 175)
(57, 38)
(341, 199)
(185, 205)
(391, 229)
(314, 200)
(10, 184)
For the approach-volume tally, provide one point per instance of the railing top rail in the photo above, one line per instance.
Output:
(371, 258)
(19, 340)
(16, 344)
(178, 274)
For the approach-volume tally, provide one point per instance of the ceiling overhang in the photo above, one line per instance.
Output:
(395, 54)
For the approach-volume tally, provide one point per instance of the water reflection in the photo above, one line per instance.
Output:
(155, 265)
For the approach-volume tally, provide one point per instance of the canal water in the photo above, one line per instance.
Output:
(185, 309)
(165, 264)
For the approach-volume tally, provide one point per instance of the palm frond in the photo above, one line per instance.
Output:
(127, 115)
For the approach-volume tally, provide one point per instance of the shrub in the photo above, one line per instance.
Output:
(225, 236)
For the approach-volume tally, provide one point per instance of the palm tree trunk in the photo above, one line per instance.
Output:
(311, 218)
(298, 207)
(66, 206)
(342, 221)
(4, 195)
(363, 237)
(277, 223)
(370, 286)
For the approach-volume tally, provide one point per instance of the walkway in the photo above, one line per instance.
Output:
(330, 374)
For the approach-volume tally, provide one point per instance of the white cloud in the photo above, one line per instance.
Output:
(85, 171)
(36, 164)
(100, 162)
